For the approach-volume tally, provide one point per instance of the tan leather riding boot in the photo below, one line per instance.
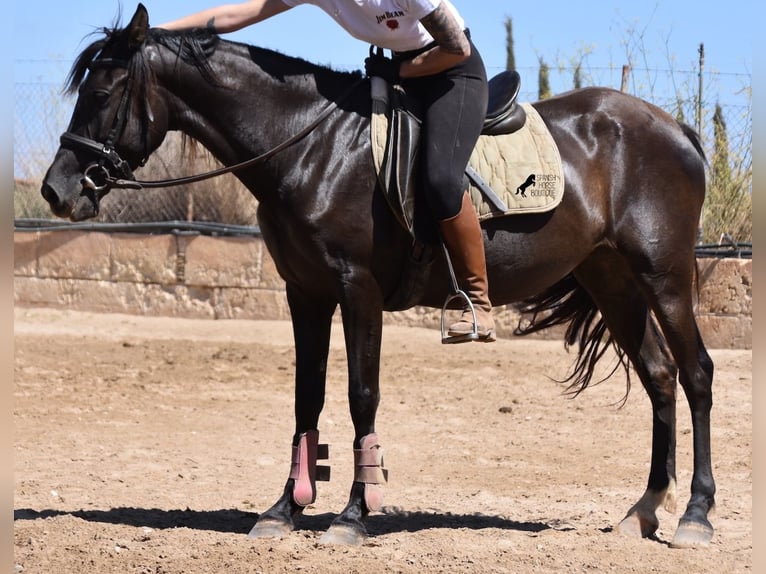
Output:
(463, 239)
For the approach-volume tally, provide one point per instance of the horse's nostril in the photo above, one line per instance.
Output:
(49, 195)
(53, 199)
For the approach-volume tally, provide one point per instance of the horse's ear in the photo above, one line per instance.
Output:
(138, 27)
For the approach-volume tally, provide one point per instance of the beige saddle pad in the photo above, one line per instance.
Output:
(523, 169)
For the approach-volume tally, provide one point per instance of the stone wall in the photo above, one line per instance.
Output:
(725, 306)
(188, 275)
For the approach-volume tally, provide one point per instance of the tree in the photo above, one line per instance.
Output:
(721, 169)
(728, 203)
(510, 58)
(577, 77)
(543, 80)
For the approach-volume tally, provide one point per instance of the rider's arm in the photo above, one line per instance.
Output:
(452, 46)
(229, 17)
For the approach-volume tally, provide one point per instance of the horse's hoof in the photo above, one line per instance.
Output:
(343, 535)
(692, 535)
(270, 529)
(636, 526)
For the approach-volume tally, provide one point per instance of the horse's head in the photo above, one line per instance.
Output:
(113, 128)
(137, 82)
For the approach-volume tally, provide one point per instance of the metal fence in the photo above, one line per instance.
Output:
(42, 113)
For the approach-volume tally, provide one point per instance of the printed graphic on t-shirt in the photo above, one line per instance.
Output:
(391, 19)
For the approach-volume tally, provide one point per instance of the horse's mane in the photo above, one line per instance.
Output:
(193, 47)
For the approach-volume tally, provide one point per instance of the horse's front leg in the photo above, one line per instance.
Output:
(362, 309)
(312, 322)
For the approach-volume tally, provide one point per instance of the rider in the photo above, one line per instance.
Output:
(436, 62)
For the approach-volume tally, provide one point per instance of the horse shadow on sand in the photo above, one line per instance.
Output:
(390, 520)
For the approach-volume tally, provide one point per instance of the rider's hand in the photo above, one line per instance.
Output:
(382, 67)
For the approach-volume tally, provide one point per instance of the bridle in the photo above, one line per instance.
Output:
(109, 161)
(111, 171)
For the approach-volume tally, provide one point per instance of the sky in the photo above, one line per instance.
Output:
(654, 35)
(665, 32)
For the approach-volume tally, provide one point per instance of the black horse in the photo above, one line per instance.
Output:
(614, 261)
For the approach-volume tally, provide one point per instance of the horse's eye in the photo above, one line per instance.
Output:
(101, 97)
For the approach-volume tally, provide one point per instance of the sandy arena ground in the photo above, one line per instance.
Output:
(150, 445)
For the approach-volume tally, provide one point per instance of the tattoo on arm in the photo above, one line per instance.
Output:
(211, 25)
(442, 26)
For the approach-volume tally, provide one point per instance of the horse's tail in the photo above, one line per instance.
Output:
(693, 137)
(566, 302)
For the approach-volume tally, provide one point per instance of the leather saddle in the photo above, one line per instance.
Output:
(504, 115)
(398, 166)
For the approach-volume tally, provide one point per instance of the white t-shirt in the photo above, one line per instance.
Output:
(390, 24)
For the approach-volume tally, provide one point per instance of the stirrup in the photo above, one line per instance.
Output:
(457, 293)
(466, 337)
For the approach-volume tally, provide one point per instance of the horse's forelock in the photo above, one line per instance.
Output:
(82, 64)
(111, 38)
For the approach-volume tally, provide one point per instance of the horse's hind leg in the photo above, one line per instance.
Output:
(656, 231)
(624, 310)
(312, 322)
(673, 308)
(668, 292)
(657, 372)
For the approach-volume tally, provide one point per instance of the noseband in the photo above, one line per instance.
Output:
(109, 161)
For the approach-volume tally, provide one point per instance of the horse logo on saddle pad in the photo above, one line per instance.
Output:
(515, 167)
(530, 181)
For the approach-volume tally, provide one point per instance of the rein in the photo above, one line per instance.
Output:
(107, 153)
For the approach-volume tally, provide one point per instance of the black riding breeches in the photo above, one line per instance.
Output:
(454, 104)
